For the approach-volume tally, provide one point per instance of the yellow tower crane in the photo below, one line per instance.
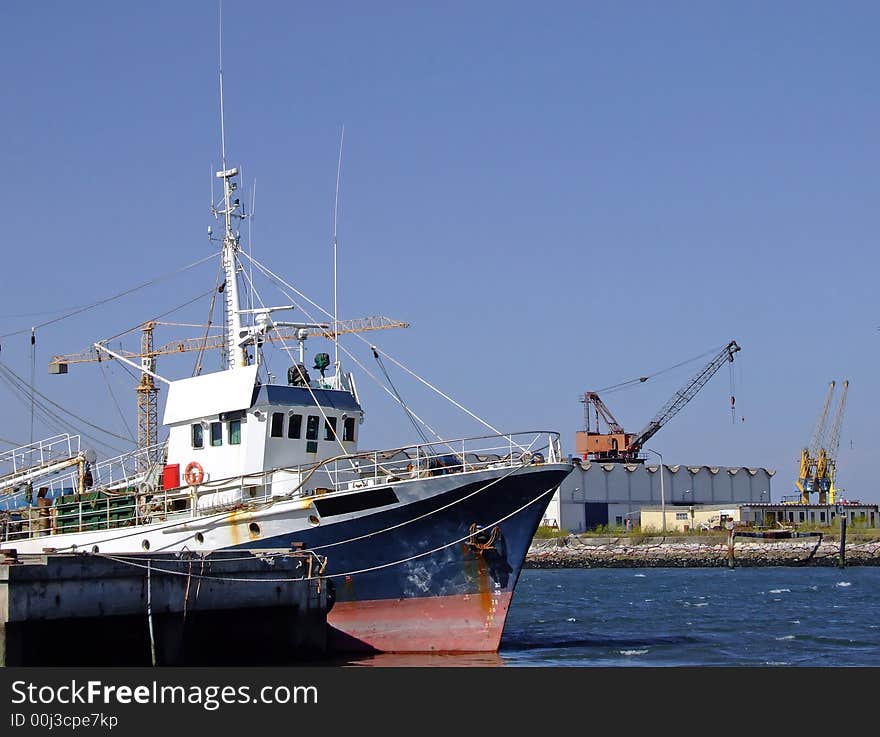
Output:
(828, 495)
(148, 392)
(814, 454)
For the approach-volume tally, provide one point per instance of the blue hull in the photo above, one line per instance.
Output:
(402, 573)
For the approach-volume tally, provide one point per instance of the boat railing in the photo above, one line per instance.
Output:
(139, 504)
(445, 457)
(370, 468)
(39, 453)
(123, 471)
(90, 511)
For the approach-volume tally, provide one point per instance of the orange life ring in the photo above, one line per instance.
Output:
(194, 473)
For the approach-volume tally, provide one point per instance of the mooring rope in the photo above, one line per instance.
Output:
(423, 516)
(370, 569)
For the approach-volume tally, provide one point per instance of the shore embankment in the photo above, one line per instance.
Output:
(584, 551)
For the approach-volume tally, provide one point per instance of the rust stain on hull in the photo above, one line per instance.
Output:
(234, 532)
(430, 624)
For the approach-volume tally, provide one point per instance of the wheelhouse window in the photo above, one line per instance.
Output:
(312, 427)
(294, 427)
(330, 428)
(348, 429)
(198, 436)
(277, 425)
(216, 433)
(234, 432)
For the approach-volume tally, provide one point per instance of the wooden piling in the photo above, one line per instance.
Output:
(841, 560)
(730, 558)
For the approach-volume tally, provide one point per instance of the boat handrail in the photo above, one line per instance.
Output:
(40, 452)
(106, 508)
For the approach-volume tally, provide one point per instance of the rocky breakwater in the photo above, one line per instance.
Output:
(575, 551)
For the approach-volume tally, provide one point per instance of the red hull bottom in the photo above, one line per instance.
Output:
(462, 623)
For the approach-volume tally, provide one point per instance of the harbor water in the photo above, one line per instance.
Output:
(628, 617)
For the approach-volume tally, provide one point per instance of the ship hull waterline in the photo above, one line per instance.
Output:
(407, 589)
(433, 571)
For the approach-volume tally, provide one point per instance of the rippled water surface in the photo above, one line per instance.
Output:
(685, 617)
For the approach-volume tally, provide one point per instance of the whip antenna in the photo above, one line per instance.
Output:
(335, 287)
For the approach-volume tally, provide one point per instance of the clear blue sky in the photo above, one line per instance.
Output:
(556, 196)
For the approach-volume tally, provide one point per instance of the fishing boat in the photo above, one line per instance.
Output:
(423, 544)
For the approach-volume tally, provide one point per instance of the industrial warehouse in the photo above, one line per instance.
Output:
(613, 494)
(614, 486)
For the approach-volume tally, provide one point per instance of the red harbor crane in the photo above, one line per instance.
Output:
(617, 445)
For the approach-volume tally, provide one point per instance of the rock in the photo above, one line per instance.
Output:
(608, 552)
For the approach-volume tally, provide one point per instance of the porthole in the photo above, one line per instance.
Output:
(200, 538)
(95, 549)
(145, 544)
(313, 520)
(254, 529)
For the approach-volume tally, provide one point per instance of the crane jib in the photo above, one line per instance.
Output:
(683, 396)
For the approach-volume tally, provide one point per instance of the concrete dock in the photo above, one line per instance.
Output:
(219, 608)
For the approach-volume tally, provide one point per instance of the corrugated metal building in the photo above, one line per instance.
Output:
(612, 494)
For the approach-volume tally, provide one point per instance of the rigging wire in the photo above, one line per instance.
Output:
(363, 368)
(49, 418)
(257, 347)
(109, 386)
(98, 303)
(197, 369)
(33, 376)
(221, 514)
(250, 242)
(60, 427)
(438, 391)
(399, 398)
(356, 361)
(22, 385)
(347, 574)
(141, 324)
(335, 251)
(116, 402)
(269, 273)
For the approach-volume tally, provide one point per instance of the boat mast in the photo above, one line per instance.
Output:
(236, 355)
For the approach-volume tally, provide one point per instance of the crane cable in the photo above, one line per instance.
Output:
(642, 379)
(732, 393)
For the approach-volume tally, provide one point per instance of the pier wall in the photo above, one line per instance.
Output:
(224, 608)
